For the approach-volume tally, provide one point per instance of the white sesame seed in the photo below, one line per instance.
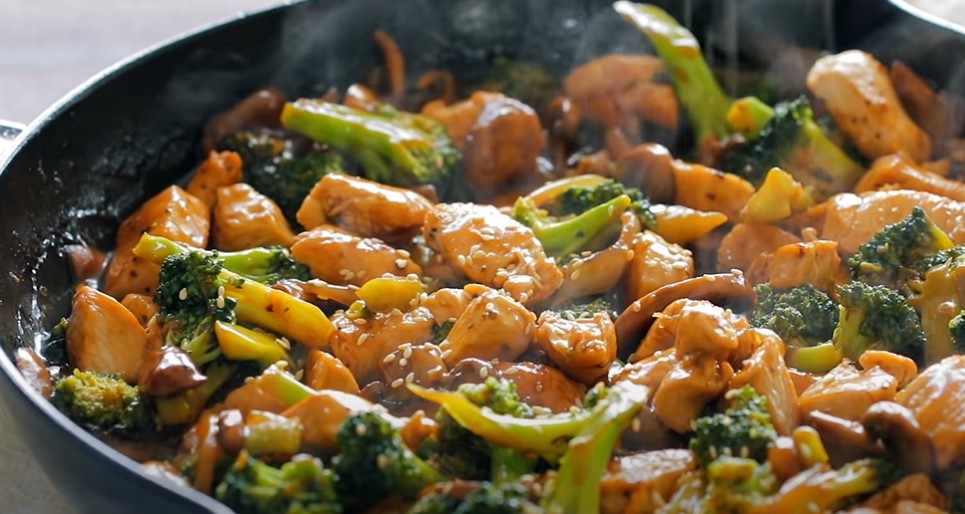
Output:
(300, 374)
(400, 263)
(397, 383)
(483, 372)
(350, 275)
(403, 253)
(359, 321)
(220, 290)
(410, 378)
(220, 302)
(403, 362)
(344, 271)
(396, 312)
(412, 276)
(183, 293)
(635, 424)
(284, 343)
(360, 430)
(361, 273)
(490, 306)
(389, 358)
(523, 297)
(630, 255)
(446, 354)
(575, 275)
(407, 353)
(636, 307)
(362, 338)
(510, 370)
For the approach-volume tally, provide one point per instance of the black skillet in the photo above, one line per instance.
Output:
(124, 135)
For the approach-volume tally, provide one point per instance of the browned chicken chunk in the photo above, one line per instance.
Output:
(644, 481)
(364, 207)
(656, 263)
(847, 393)
(494, 249)
(244, 218)
(584, 348)
(324, 371)
(105, 337)
(493, 326)
(361, 343)
(745, 242)
(814, 262)
(220, 169)
(937, 398)
(172, 213)
(338, 257)
(766, 372)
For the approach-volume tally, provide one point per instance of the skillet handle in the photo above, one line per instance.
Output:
(9, 131)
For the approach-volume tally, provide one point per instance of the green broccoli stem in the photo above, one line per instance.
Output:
(509, 465)
(575, 489)
(187, 406)
(748, 116)
(814, 359)
(698, 90)
(838, 169)
(571, 235)
(379, 145)
(257, 303)
(849, 341)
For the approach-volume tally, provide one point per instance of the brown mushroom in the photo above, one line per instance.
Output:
(168, 371)
(901, 434)
(845, 440)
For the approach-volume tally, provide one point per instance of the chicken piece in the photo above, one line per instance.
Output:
(707, 189)
(583, 348)
(493, 326)
(634, 322)
(172, 213)
(168, 371)
(814, 262)
(447, 304)
(642, 482)
(656, 263)
(324, 371)
(337, 257)
(361, 343)
(939, 115)
(899, 172)
(494, 249)
(243, 218)
(620, 90)
(321, 415)
(142, 306)
(540, 385)
(745, 242)
(648, 167)
(421, 364)
(916, 488)
(852, 220)
(105, 337)
(648, 372)
(706, 329)
(857, 91)
(220, 169)
(500, 138)
(692, 383)
(602, 271)
(34, 370)
(898, 366)
(847, 393)
(767, 373)
(364, 207)
(937, 399)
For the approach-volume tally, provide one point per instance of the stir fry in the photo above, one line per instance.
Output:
(509, 297)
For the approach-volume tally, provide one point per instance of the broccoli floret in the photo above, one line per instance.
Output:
(195, 291)
(281, 167)
(465, 454)
(892, 257)
(579, 199)
(938, 299)
(393, 147)
(792, 141)
(697, 88)
(488, 499)
(441, 332)
(301, 486)
(802, 315)
(744, 430)
(957, 328)
(876, 318)
(524, 81)
(564, 236)
(374, 462)
(102, 402)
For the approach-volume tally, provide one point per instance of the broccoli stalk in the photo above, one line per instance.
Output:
(102, 402)
(744, 430)
(697, 88)
(282, 168)
(244, 344)
(300, 486)
(821, 489)
(802, 315)
(187, 406)
(562, 237)
(374, 462)
(793, 141)
(876, 318)
(892, 256)
(574, 489)
(392, 147)
(195, 291)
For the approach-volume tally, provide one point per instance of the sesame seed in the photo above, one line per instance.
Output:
(630, 255)
(382, 461)
(359, 321)
(396, 312)
(360, 430)
(446, 354)
(220, 302)
(362, 338)
(284, 343)
(410, 378)
(220, 290)
(483, 372)
(636, 307)
(635, 424)
(360, 273)
(350, 275)
(183, 294)
(490, 306)
(400, 263)
(523, 297)
(745, 452)
(510, 370)
(412, 276)
(407, 353)
(300, 374)
(575, 275)
(586, 253)
(344, 271)
(397, 383)
(389, 358)
(403, 253)
(403, 362)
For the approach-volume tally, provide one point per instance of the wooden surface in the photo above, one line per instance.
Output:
(47, 47)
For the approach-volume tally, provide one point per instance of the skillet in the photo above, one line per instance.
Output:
(91, 158)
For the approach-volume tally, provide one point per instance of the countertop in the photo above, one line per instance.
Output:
(47, 47)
